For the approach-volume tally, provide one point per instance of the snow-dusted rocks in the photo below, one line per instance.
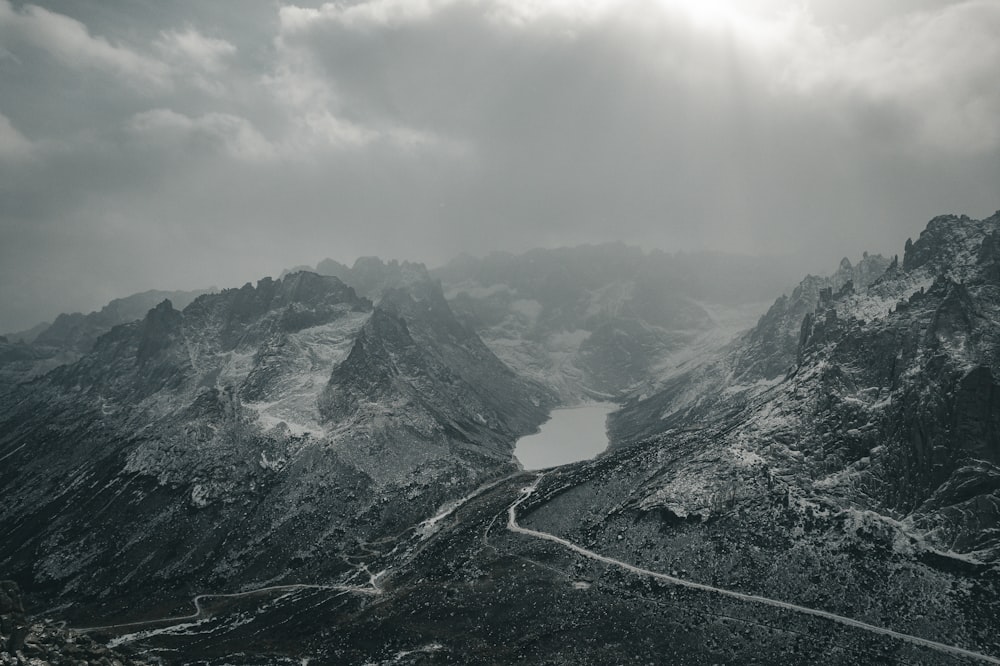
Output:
(252, 434)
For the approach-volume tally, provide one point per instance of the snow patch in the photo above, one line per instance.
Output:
(306, 362)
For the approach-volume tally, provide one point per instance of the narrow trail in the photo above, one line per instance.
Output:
(915, 640)
(424, 529)
(427, 527)
(199, 612)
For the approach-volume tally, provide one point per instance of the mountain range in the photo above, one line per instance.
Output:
(321, 464)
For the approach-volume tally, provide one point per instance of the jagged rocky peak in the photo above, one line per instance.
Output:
(331, 267)
(904, 381)
(372, 271)
(302, 288)
(160, 328)
(771, 348)
(295, 302)
(947, 239)
(370, 276)
(413, 349)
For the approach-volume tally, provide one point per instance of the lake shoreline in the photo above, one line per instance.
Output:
(571, 434)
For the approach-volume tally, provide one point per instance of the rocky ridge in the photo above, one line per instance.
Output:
(589, 322)
(841, 457)
(863, 479)
(707, 385)
(31, 353)
(243, 439)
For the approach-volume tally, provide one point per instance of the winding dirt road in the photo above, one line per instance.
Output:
(428, 526)
(915, 640)
(199, 611)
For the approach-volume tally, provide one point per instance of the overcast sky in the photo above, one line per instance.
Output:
(150, 144)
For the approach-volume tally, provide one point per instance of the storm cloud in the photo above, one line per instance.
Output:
(181, 145)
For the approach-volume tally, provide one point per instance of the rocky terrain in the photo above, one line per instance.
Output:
(27, 643)
(33, 352)
(261, 433)
(592, 322)
(326, 477)
(709, 385)
(860, 478)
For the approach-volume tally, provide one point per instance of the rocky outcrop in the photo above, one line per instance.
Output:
(370, 276)
(414, 354)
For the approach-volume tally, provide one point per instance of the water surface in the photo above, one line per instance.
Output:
(571, 434)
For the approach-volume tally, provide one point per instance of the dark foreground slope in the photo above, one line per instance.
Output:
(474, 591)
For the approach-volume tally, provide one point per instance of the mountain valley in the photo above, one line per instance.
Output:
(319, 468)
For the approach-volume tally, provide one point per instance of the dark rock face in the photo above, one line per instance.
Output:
(13, 623)
(977, 415)
(10, 598)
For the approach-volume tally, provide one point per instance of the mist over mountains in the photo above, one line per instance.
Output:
(323, 463)
(447, 404)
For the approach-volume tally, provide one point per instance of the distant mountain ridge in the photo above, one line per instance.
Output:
(593, 321)
(78, 331)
